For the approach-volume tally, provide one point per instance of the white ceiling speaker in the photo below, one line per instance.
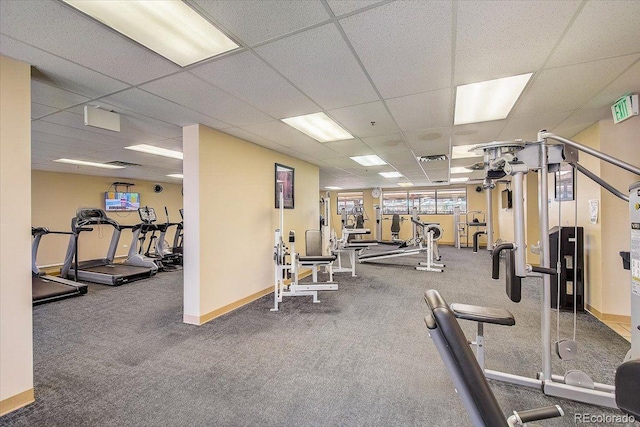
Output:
(158, 188)
(103, 119)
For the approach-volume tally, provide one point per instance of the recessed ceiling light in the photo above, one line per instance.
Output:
(391, 174)
(462, 152)
(84, 163)
(405, 184)
(318, 126)
(158, 151)
(460, 169)
(371, 160)
(461, 179)
(333, 188)
(488, 100)
(169, 28)
(176, 175)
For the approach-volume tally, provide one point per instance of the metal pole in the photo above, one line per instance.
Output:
(543, 213)
(518, 223)
(604, 184)
(489, 227)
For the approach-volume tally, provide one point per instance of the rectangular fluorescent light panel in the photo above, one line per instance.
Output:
(176, 175)
(158, 151)
(489, 100)
(333, 188)
(371, 160)
(391, 174)
(169, 28)
(461, 179)
(405, 184)
(462, 152)
(92, 164)
(459, 169)
(318, 126)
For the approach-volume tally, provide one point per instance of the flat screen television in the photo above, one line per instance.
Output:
(121, 201)
(506, 199)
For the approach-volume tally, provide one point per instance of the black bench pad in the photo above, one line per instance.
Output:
(496, 316)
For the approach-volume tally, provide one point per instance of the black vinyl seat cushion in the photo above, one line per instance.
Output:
(628, 387)
(496, 316)
(316, 259)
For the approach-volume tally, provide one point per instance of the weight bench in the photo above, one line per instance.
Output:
(314, 257)
(466, 373)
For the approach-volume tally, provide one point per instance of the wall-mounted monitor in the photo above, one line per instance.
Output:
(506, 199)
(121, 201)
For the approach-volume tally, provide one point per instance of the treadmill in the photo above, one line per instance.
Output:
(101, 270)
(46, 288)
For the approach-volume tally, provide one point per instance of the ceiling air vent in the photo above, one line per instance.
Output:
(124, 164)
(433, 158)
(440, 181)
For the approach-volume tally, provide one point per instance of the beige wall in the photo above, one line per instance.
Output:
(475, 202)
(56, 196)
(230, 217)
(16, 348)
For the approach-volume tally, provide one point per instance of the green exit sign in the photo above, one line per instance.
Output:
(624, 108)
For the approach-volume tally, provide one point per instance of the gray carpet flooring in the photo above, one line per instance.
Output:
(362, 357)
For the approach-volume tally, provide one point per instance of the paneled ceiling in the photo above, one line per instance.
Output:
(385, 70)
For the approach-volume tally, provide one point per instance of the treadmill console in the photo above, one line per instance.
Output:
(147, 215)
(91, 213)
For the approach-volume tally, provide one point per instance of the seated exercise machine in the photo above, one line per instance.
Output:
(396, 223)
(45, 288)
(102, 270)
(424, 241)
(517, 159)
(283, 269)
(467, 375)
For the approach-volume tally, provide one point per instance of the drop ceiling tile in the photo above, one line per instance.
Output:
(67, 132)
(256, 139)
(602, 29)
(39, 110)
(81, 40)
(422, 111)
(246, 76)
(628, 82)
(255, 21)
(315, 149)
(357, 119)
(568, 88)
(56, 71)
(130, 120)
(349, 147)
(54, 97)
(405, 46)
(429, 139)
(476, 133)
(580, 120)
(127, 132)
(158, 108)
(278, 132)
(198, 95)
(400, 158)
(527, 128)
(387, 143)
(43, 148)
(341, 7)
(319, 63)
(488, 47)
(435, 166)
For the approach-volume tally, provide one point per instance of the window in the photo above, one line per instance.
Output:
(350, 200)
(448, 198)
(395, 202)
(428, 202)
(424, 200)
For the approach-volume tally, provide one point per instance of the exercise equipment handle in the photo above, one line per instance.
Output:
(544, 270)
(540, 414)
(495, 258)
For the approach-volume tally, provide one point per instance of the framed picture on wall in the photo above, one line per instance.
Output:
(565, 184)
(284, 182)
